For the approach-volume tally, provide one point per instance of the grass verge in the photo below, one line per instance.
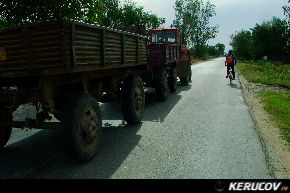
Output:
(278, 106)
(270, 73)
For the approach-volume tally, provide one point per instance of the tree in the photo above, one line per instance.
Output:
(103, 12)
(217, 50)
(287, 12)
(212, 51)
(267, 39)
(242, 43)
(220, 49)
(270, 38)
(15, 12)
(135, 15)
(261, 35)
(192, 18)
(109, 13)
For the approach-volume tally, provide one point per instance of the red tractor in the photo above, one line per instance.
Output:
(168, 59)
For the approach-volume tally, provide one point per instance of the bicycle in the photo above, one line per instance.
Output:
(230, 75)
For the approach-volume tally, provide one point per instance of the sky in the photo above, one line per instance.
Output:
(231, 15)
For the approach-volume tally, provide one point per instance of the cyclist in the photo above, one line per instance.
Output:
(231, 61)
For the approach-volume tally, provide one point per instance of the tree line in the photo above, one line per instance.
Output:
(192, 17)
(108, 13)
(270, 38)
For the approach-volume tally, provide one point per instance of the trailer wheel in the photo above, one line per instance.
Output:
(5, 130)
(172, 82)
(133, 99)
(185, 80)
(82, 127)
(161, 81)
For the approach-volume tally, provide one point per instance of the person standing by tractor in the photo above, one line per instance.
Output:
(231, 61)
(184, 56)
(183, 51)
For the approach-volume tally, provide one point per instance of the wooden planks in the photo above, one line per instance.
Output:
(68, 47)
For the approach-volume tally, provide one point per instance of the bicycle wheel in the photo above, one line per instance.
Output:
(231, 76)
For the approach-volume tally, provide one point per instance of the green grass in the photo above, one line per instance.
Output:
(270, 73)
(278, 106)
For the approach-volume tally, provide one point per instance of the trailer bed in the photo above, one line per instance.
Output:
(57, 48)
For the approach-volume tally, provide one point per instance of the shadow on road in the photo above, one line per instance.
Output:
(42, 155)
(155, 110)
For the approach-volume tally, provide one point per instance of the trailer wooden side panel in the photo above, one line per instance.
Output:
(35, 49)
(107, 49)
(55, 48)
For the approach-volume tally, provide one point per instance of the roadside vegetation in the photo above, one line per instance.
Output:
(265, 72)
(263, 57)
(277, 103)
(270, 39)
(278, 106)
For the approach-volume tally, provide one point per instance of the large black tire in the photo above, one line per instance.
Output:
(5, 130)
(82, 127)
(161, 81)
(185, 80)
(133, 99)
(172, 80)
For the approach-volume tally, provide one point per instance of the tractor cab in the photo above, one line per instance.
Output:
(165, 36)
(165, 47)
(168, 52)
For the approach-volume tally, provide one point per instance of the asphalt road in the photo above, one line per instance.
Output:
(204, 130)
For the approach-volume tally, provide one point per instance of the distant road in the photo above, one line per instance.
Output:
(204, 130)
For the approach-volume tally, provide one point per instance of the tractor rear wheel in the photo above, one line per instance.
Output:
(133, 99)
(161, 81)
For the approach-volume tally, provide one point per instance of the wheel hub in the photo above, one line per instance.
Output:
(89, 126)
(138, 98)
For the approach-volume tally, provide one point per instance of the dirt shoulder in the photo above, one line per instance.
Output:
(276, 149)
